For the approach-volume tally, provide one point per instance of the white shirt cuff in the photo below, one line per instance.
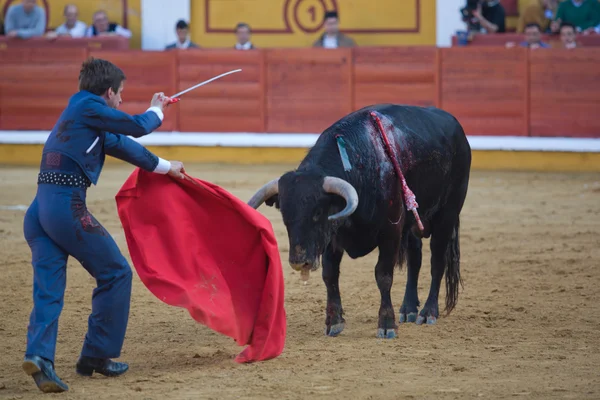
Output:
(157, 111)
(162, 167)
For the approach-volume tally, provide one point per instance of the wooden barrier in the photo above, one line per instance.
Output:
(565, 93)
(35, 86)
(395, 75)
(491, 90)
(486, 89)
(307, 89)
(95, 43)
(500, 39)
(235, 103)
(147, 72)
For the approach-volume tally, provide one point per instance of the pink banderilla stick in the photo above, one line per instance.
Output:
(409, 196)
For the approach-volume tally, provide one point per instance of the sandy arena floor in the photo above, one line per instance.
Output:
(527, 324)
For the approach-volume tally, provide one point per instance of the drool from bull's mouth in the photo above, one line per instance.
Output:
(305, 274)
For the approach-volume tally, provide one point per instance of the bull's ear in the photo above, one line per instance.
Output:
(273, 200)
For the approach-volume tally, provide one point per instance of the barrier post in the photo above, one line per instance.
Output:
(263, 90)
(438, 78)
(527, 98)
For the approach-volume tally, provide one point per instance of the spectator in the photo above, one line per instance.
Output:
(533, 38)
(491, 16)
(473, 25)
(583, 14)
(102, 27)
(332, 38)
(242, 33)
(72, 26)
(568, 36)
(592, 30)
(539, 12)
(183, 37)
(25, 20)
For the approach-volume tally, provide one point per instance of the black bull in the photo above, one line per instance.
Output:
(328, 209)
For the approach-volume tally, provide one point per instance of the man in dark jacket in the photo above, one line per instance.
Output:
(332, 38)
(490, 16)
(242, 34)
(183, 37)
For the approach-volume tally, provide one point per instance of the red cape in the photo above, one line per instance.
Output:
(196, 246)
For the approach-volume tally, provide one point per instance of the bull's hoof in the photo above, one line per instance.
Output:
(386, 333)
(334, 330)
(386, 326)
(409, 310)
(408, 318)
(428, 315)
(430, 320)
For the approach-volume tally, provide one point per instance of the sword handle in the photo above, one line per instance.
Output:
(171, 100)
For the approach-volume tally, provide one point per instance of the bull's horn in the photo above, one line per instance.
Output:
(268, 190)
(344, 189)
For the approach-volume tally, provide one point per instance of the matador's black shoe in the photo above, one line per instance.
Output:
(42, 372)
(86, 366)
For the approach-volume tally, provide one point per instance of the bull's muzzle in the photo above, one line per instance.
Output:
(304, 270)
(301, 266)
(298, 259)
(301, 261)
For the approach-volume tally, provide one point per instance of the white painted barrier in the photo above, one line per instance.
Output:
(306, 140)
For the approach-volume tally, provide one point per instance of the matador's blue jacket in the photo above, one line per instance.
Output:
(88, 129)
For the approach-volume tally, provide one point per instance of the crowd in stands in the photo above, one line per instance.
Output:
(564, 18)
(27, 20)
(330, 39)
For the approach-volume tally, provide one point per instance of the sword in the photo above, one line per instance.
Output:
(175, 99)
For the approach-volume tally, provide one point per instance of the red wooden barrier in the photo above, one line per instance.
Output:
(35, 86)
(491, 90)
(234, 103)
(307, 89)
(565, 93)
(147, 72)
(96, 43)
(404, 75)
(486, 89)
(500, 39)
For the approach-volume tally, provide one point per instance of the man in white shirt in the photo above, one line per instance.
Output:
(332, 38)
(72, 26)
(102, 27)
(183, 37)
(242, 34)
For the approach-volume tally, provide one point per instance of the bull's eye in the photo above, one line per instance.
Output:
(317, 215)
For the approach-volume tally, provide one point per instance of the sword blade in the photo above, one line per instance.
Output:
(204, 83)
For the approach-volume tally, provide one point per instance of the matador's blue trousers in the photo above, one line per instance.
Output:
(58, 225)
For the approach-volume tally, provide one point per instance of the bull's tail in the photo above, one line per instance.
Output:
(452, 272)
(402, 250)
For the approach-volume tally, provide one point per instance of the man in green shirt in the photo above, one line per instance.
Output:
(584, 14)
